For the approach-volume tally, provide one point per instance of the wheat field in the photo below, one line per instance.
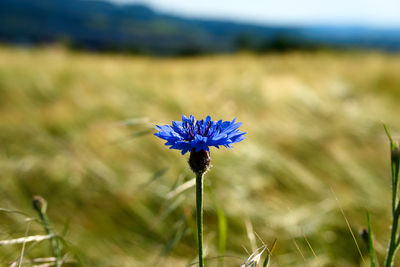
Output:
(77, 129)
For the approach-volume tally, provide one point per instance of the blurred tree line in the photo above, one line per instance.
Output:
(137, 29)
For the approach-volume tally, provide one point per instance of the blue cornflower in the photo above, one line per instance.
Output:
(197, 137)
(191, 134)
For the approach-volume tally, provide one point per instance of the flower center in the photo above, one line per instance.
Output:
(198, 127)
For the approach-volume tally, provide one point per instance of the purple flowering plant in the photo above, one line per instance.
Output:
(196, 137)
(190, 134)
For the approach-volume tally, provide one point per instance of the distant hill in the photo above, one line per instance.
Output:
(103, 26)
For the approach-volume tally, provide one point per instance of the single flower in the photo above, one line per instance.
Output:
(197, 135)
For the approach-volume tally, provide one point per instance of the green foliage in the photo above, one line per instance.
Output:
(394, 241)
(370, 243)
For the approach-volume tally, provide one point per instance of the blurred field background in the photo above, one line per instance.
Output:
(76, 128)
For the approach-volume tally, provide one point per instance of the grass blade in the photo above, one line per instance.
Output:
(370, 243)
(269, 254)
(348, 224)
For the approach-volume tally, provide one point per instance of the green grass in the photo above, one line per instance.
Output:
(76, 129)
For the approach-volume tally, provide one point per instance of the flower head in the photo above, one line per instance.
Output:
(191, 134)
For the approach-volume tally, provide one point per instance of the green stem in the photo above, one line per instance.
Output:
(395, 183)
(394, 240)
(393, 243)
(199, 213)
(53, 239)
(370, 243)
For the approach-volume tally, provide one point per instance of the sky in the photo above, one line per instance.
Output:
(378, 13)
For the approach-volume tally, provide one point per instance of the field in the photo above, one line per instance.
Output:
(77, 129)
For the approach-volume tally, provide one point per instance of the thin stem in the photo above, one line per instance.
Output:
(394, 239)
(393, 236)
(53, 240)
(395, 183)
(199, 215)
(392, 245)
(393, 242)
(40, 205)
(370, 243)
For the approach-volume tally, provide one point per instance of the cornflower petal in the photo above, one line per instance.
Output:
(191, 134)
